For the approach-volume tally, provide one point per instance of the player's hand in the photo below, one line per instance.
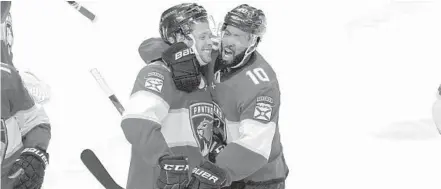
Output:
(174, 172)
(28, 170)
(217, 145)
(207, 176)
(184, 66)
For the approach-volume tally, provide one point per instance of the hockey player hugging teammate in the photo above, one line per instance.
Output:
(246, 152)
(247, 91)
(169, 116)
(25, 129)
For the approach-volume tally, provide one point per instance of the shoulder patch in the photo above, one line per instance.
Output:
(154, 81)
(264, 108)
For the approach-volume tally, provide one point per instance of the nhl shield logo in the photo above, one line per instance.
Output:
(201, 119)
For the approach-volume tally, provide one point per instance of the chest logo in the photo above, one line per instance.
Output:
(201, 119)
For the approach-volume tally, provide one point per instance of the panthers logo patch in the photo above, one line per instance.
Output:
(201, 118)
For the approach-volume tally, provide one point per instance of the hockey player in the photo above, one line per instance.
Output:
(253, 154)
(170, 111)
(437, 110)
(25, 128)
(245, 88)
(39, 90)
(249, 154)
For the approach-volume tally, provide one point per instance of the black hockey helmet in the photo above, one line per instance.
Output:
(5, 7)
(250, 20)
(178, 19)
(247, 19)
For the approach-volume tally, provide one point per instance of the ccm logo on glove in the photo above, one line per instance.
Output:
(175, 167)
(38, 153)
(183, 53)
(205, 175)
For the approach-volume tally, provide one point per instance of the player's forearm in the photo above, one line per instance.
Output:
(39, 136)
(239, 162)
(246, 155)
(146, 138)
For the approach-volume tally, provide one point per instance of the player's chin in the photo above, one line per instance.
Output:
(206, 59)
(206, 56)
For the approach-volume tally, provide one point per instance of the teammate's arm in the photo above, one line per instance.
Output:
(29, 169)
(35, 127)
(147, 107)
(257, 127)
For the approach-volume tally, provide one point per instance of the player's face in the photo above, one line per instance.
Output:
(203, 43)
(234, 42)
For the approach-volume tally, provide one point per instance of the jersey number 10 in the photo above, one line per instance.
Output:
(257, 75)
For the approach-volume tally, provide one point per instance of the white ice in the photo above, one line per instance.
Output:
(357, 77)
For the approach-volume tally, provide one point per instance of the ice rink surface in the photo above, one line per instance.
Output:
(357, 78)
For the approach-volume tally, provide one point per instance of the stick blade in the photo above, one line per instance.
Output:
(91, 161)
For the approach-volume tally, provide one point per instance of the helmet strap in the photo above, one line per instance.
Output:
(193, 47)
(249, 50)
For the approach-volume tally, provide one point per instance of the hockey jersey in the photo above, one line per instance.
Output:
(23, 123)
(249, 98)
(159, 119)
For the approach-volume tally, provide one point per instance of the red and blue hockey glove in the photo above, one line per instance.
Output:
(207, 176)
(184, 66)
(174, 172)
(28, 170)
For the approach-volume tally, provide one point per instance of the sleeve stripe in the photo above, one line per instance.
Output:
(6, 69)
(179, 134)
(146, 105)
(256, 136)
(31, 118)
(13, 136)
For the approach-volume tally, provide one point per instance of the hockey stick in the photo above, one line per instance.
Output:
(85, 12)
(88, 157)
(97, 169)
(110, 94)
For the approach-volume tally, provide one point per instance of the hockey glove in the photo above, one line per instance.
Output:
(28, 169)
(174, 172)
(207, 176)
(184, 66)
